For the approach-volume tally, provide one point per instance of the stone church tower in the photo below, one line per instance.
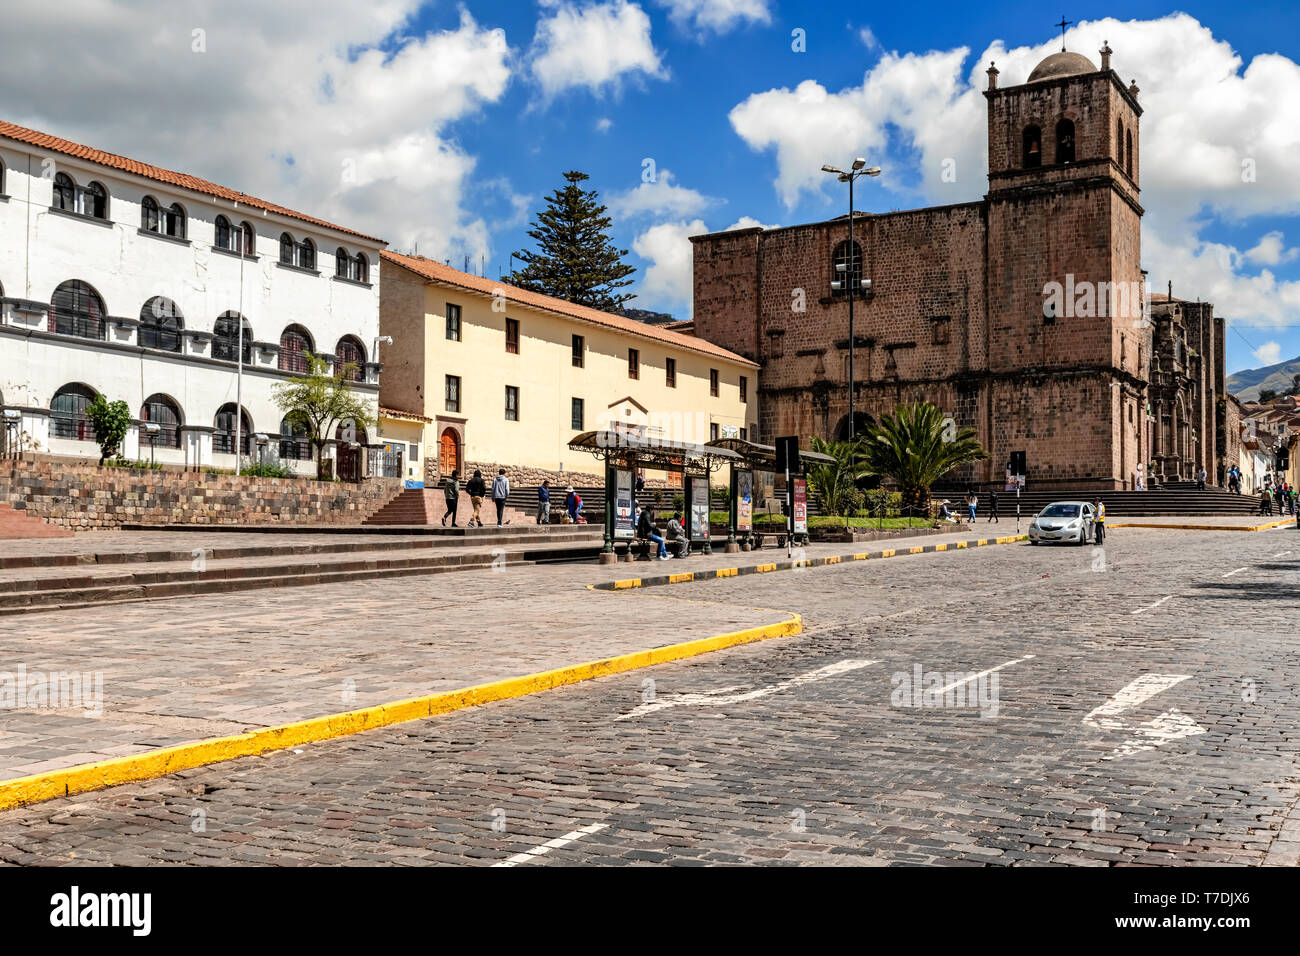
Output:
(1021, 315)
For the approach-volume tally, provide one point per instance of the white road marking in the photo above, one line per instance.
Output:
(1151, 607)
(1169, 726)
(550, 845)
(967, 680)
(1231, 573)
(721, 695)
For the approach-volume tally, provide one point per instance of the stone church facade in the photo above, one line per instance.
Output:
(1020, 314)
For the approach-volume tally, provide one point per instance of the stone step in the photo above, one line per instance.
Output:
(77, 590)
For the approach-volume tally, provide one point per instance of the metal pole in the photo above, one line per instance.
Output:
(852, 283)
(610, 494)
(239, 352)
(735, 507)
(789, 518)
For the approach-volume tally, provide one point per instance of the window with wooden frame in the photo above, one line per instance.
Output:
(512, 336)
(633, 363)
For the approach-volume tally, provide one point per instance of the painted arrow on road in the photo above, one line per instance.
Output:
(722, 695)
(1169, 726)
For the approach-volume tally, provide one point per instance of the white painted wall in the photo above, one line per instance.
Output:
(39, 249)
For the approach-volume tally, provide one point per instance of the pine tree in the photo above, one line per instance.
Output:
(575, 259)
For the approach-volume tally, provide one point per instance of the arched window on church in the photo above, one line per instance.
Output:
(1033, 148)
(1119, 141)
(847, 270)
(1065, 141)
(1128, 153)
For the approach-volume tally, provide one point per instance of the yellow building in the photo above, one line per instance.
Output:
(508, 376)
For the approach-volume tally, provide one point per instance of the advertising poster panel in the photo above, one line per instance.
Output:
(744, 501)
(623, 506)
(800, 505)
(699, 485)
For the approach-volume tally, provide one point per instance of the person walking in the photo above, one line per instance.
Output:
(500, 492)
(476, 488)
(451, 493)
(971, 503)
(544, 502)
(1265, 501)
(993, 506)
(1200, 480)
(1098, 521)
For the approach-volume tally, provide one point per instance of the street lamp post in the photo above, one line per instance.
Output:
(858, 168)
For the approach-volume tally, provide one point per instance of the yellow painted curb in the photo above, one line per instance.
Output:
(887, 554)
(680, 578)
(627, 583)
(1201, 527)
(960, 545)
(158, 763)
(727, 572)
(761, 568)
(941, 547)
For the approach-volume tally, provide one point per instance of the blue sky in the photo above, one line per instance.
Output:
(456, 119)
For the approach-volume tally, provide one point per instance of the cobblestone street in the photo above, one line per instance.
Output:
(1137, 704)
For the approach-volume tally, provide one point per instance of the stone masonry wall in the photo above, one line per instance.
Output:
(84, 496)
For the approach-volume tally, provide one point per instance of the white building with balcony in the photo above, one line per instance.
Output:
(146, 285)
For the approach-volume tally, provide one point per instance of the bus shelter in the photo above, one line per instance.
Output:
(624, 451)
(753, 460)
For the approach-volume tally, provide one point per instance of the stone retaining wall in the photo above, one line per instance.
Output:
(85, 496)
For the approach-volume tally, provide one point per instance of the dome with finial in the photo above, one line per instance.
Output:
(1061, 64)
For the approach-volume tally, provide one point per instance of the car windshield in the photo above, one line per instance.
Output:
(1060, 511)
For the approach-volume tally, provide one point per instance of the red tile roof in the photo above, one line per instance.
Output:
(181, 180)
(437, 272)
(398, 413)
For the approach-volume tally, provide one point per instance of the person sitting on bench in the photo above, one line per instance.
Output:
(677, 535)
(648, 531)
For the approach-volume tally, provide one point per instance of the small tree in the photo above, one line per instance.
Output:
(318, 403)
(575, 259)
(836, 482)
(915, 447)
(1267, 395)
(111, 420)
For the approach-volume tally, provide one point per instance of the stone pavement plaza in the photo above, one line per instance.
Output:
(789, 751)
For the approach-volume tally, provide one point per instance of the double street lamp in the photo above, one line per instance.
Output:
(850, 278)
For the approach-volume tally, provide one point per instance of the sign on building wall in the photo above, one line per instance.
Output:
(800, 505)
(744, 500)
(623, 506)
(729, 431)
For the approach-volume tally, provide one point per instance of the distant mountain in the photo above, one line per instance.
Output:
(648, 317)
(1247, 383)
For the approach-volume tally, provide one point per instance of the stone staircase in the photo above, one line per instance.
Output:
(426, 506)
(1169, 500)
(16, 523)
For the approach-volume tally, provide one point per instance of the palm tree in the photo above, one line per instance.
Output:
(916, 447)
(833, 482)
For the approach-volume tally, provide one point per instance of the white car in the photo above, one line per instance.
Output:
(1063, 521)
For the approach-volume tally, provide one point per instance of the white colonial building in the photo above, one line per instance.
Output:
(145, 285)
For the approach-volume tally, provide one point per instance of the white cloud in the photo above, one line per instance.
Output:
(1271, 251)
(659, 198)
(668, 279)
(604, 124)
(1270, 353)
(868, 38)
(1216, 137)
(594, 45)
(284, 100)
(718, 16)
